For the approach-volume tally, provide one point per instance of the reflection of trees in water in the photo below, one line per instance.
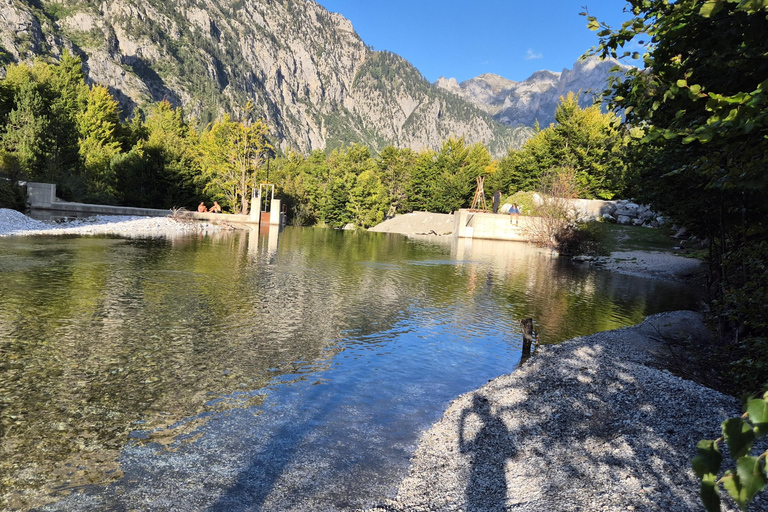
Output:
(567, 300)
(102, 337)
(98, 334)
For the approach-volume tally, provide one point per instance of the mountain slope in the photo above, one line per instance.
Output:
(535, 98)
(306, 71)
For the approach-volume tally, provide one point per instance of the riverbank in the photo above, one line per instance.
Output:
(13, 223)
(594, 423)
(646, 263)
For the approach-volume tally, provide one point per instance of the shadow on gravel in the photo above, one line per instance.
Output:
(489, 449)
(603, 428)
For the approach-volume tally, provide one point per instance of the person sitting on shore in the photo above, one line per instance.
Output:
(215, 208)
(202, 208)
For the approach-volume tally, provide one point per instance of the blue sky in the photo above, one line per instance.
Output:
(511, 38)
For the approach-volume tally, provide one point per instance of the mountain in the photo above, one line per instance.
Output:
(305, 70)
(535, 98)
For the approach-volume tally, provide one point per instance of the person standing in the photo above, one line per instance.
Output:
(496, 201)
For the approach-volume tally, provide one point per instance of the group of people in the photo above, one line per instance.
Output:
(214, 209)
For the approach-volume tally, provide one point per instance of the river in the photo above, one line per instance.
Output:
(241, 371)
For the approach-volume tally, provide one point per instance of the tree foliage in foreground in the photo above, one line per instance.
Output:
(702, 101)
(749, 477)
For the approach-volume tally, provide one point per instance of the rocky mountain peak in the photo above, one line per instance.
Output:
(535, 98)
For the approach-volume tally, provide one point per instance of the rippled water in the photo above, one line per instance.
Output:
(247, 372)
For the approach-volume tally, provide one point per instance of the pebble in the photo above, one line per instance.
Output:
(13, 223)
(545, 442)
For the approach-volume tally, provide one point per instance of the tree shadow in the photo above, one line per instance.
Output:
(489, 449)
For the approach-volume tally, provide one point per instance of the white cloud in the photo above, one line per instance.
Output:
(531, 55)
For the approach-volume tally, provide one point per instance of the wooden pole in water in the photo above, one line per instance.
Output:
(527, 325)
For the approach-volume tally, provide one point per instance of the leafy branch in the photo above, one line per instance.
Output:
(749, 476)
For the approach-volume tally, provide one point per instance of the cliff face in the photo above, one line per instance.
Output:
(306, 71)
(535, 98)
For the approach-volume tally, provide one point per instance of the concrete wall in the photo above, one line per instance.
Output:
(41, 195)
(489, 226)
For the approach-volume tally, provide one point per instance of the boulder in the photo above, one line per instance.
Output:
(505, 208)
(608, 217)
(623, 220)
(629, 209)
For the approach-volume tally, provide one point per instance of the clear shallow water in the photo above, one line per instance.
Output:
(247, 372)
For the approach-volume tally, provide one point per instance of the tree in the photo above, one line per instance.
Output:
(586, 140)
(23, 140)
(228, 154)
(702, 101)
(394, 167)
(367, 199)
(99, 128)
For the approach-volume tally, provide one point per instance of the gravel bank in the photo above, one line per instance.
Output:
(13, 223)
(653, 264)
(589, 424)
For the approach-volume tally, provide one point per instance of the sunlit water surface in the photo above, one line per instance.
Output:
(248, 372)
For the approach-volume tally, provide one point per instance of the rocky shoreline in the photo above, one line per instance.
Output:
(13, 223)
(593, 423)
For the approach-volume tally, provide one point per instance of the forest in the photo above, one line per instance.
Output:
(58, 129)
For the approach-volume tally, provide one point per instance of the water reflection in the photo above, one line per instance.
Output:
(271, 371)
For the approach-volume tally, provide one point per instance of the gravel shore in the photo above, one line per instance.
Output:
(13, 223)
(594, 423)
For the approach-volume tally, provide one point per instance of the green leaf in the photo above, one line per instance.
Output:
(709, 495)
(593, 24)
(682, 82)
(751, 478)
(696, 89)
(738, 436)
(758, 415)
(708, 460)
(711, 7)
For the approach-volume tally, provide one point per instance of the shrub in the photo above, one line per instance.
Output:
(12, 195)
(587, 239)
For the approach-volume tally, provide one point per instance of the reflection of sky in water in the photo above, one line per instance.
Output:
(290, 376)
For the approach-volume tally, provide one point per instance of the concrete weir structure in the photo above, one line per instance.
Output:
(489, 226)
(42, 196)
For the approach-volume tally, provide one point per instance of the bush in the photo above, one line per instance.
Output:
(524, 200)
(587, 239)
(12, 195)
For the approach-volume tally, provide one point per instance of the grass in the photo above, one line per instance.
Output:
(616, 237)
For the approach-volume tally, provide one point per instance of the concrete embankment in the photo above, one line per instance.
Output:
(463, 223)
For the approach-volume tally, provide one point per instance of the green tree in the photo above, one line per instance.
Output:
(25, 133)
(367, 199)
(99, 129)
(583, 139)
(394, 167)
(160, 170)
(702, 102)
(229, 151)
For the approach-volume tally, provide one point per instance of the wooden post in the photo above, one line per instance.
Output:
(527, 325)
